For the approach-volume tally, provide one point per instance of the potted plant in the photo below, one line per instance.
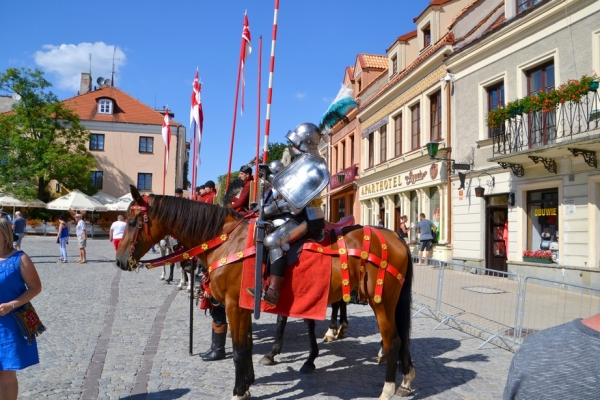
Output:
(538, 256)
(55, 224)
(34, 222)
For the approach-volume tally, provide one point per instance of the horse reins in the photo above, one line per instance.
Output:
(144, 222)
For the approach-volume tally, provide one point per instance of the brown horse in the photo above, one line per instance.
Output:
(193, 223)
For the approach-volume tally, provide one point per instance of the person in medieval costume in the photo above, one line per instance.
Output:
(294, 209)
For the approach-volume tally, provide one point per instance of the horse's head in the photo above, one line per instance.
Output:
(140, 233)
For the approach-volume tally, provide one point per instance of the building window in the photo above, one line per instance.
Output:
(542, 124)
(351, 150)
(523, 5)
(383, 143)
(542, 216)
(426, 36)
(415, 129)
(495, 95)
(104, 106)
(434, 207)
(398, 135)
(146, 144)
(435, 101)
(144, 182)
(371, 151)
(97, 179)
(344, 154)
(394, 65)
(359, 83)
(334, 155)
(413, 215)
(96, 141)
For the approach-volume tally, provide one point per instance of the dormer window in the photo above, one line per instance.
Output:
(105, 106)
(426, 36)
(394, 65)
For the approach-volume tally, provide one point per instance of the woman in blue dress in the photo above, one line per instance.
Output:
(19, 283)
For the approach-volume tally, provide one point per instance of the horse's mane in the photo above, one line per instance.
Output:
(234, 189)
(190, 219)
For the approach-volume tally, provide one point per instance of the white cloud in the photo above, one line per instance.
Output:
(300, 95)
(68, 61)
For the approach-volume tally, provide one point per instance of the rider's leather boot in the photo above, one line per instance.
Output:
(272, 293)
(211, 349)
(218, 343)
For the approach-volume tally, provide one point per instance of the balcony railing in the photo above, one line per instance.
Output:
(538, 129)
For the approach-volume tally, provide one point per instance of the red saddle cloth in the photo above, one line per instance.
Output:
(305, 289)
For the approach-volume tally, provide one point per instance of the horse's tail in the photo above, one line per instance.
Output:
(403, 317)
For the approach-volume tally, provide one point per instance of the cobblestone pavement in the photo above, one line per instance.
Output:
(120, 335)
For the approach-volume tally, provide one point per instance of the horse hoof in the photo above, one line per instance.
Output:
(388, 391)
(328, 339)
(330, 335)
(267, 361)
(404, 392)
(307, 368)
(246, 396)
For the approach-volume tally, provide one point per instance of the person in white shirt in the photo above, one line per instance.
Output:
(117, 229)
(81, 238)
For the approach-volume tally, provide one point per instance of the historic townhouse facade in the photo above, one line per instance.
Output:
(537, 163)
(408, 109)
(126, 139)
(344, 148)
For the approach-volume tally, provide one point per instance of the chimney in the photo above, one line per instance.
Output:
(86, 83)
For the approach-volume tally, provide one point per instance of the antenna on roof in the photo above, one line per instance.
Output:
(90, 65)
(100, 81)
(112, 74)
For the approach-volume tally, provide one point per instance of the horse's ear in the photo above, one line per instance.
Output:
(135, 194)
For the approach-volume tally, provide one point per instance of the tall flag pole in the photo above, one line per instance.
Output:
(196, 122)
(245, 51)
(270, 91)
(258, 121)
(166, 134)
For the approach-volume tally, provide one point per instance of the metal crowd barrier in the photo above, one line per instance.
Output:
(497, 305)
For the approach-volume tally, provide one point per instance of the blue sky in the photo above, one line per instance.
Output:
(160, 45)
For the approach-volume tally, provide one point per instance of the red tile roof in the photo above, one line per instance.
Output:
(126, 109)
(432, 3)
(483, 21)
(373, 61)
(496, 23)
(403, 38)
(462, 12)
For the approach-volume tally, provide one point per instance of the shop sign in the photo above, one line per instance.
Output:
(413, 178)
(545, 212)
(373, 127)
(382, 185)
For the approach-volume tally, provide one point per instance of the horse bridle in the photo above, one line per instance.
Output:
(145, 222)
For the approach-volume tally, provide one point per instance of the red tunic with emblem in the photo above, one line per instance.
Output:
(209, 197)
(241, 203)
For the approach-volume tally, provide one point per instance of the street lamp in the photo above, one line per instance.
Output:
(341, 177)
(432, 150)
(479, 190)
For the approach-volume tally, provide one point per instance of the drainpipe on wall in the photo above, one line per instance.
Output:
(449, 163)
(177, 161)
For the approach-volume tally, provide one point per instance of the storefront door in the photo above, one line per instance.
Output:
(496, 239)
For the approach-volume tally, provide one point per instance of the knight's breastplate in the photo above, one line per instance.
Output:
(302, 180)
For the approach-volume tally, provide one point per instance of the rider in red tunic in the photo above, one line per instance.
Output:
(241, 204)
(209, 193)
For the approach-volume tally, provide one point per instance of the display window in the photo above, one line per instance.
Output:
(434, 209)
(542, 216)
(414, 215)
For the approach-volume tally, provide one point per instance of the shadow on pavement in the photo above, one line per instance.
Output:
(168, 394)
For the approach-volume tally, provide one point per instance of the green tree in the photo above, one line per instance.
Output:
(222, 180)
(40, 139)
(276, 151)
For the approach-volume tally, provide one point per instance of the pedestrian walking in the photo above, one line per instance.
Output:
(81, 238)
(62, 238)
(117, 229)
(3, 214)
(18, 226)
(426, 229)
(403, 229)
(557, 363)
(19, 283)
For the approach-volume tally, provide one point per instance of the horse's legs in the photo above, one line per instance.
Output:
(164, 273)
(240, 325)
(391, 346)
(171, 269)
(341, 333)
(269, 358)
(331, 333)
(309, 365)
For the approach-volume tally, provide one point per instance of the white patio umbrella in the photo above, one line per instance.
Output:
(10, 201)
(121, 203)
(76, 201)
(104, 198)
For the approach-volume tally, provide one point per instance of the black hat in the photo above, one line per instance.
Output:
(246, 169)
(179, 191)
(200, 187)
(210, 184)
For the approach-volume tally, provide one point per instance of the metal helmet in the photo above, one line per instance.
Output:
(275, 166)
(305, 138)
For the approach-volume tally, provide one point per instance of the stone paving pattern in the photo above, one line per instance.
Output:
(124, 335)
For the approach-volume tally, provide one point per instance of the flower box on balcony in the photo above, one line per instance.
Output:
(538, 260)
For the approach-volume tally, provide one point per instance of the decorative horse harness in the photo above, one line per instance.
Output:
(342, 251)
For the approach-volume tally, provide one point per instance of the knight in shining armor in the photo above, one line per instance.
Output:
(292, 205)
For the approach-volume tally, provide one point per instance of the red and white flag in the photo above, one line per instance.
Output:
(166, 134)
(246, 50)
(196, 122)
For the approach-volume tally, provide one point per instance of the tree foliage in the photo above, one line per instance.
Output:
(40, 139)
(276, 151)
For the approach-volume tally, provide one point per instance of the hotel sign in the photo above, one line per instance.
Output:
(391, 183)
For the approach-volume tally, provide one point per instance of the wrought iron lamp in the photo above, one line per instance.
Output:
(432, 150)
(479, 190)
(341, 177)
